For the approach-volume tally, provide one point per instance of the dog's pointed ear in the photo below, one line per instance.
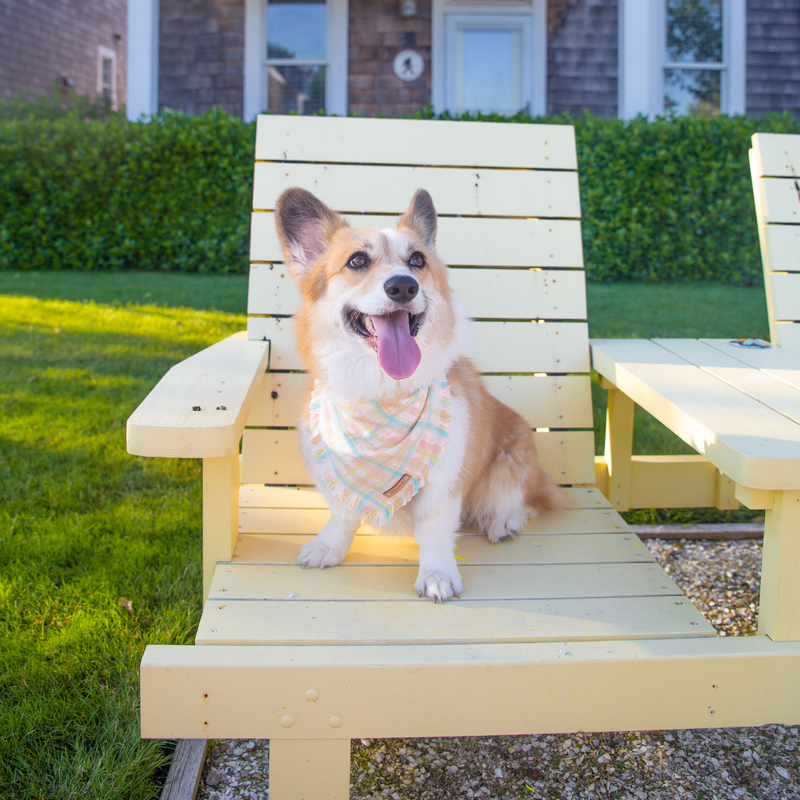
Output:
(305, 228)
(421, 217)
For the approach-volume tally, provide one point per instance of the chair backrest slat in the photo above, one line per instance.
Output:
(509, 227)
(400, 141)
(775, 170)
(461, 241)
(530, 294)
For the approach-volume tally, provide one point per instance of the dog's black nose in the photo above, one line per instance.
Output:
(401, 288)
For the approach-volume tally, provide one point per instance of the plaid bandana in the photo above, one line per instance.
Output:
(374, 456)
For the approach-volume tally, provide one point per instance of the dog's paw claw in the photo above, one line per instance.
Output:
(438, 586)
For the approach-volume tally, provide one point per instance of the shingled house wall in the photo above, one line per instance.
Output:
(376, 35)
(201, 55)
(773, 56)
(41, 43)
(582, 57)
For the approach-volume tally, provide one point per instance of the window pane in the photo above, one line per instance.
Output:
(694, 30)
(488, 70)
(296, 30)
(106, 79)
(296, 89)
(691, 92)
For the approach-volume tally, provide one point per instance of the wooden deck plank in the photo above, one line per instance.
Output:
(307, 520)
(390, 583)
(460, 621)
(389, 189)
(460, 241)
(578, 548)
(442, 142)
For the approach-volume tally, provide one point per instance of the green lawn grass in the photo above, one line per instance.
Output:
(83, 524)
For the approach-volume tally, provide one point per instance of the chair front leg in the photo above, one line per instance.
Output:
(311, 769)
(779, 605)
(619, 446)
(220, 513)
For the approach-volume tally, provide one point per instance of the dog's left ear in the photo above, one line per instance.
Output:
(421, 217)
(305, 227)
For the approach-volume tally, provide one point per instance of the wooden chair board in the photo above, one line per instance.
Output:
(573, 601)
(775, 171)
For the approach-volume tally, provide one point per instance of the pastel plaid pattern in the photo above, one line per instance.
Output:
(374, 455)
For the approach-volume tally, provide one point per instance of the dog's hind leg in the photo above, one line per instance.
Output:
(329, 547)
(514, 490)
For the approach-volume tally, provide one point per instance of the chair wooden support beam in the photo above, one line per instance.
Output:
(341, 692)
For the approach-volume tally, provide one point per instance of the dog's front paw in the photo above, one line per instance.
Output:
(318, 553)
(439, 586)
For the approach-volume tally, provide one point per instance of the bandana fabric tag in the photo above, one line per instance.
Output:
(375, 456)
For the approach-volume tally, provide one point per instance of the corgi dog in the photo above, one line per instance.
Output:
(399, 430)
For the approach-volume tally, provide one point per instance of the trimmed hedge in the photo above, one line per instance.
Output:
(110, 194)
(662, 200)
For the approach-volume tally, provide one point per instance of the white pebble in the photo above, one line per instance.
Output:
(782, 772)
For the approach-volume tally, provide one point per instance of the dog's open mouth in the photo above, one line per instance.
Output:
(392, 336)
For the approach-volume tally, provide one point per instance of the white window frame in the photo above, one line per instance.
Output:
(104, 53)
(534, 79)
(642, 58)
(141, 89)
(255, 58)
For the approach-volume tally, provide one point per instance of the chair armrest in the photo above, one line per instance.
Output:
(199, 408)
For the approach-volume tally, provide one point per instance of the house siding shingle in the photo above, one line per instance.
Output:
(773, 56)
(201, 56)
(42, 41)
(377, 34)
(582, 57)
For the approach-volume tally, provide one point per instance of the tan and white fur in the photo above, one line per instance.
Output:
(347, 276)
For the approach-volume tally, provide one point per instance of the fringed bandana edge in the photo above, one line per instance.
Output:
(374, 456)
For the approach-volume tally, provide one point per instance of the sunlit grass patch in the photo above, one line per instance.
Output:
(83, 524)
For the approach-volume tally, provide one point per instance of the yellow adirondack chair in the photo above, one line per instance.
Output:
(572, 626)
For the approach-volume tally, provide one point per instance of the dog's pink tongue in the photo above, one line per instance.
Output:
(398, 353)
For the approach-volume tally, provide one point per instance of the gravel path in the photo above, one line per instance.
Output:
(722, 580)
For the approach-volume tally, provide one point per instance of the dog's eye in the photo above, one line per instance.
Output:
(357, 261)
(417, 260)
